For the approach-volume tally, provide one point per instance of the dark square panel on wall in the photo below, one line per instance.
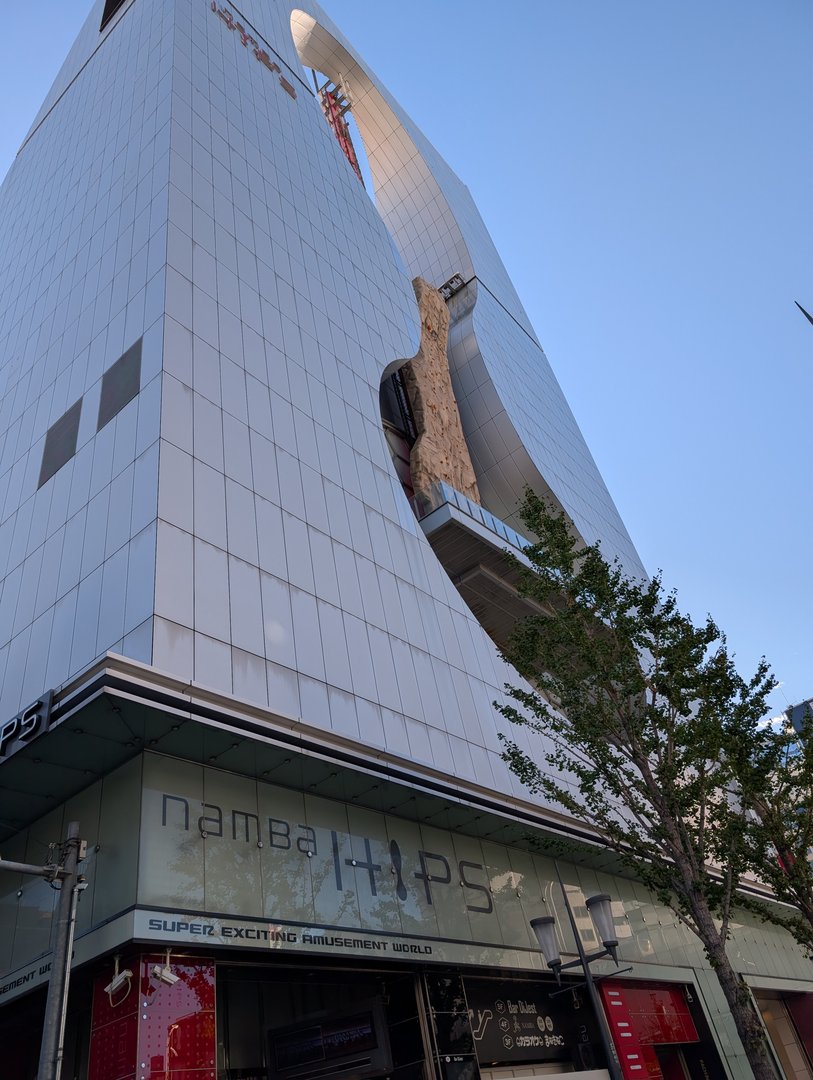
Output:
(110, 9)
(60, 442)
(120, 384)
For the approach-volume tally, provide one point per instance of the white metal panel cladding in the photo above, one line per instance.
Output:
(83, 237)
(238, 522)
(291, 570)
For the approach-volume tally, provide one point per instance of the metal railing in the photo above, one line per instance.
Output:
(440, 494)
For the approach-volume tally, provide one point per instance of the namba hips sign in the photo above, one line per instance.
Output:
(219, 845)
(22, 729)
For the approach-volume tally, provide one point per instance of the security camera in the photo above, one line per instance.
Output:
(163, 972)
(118, 980)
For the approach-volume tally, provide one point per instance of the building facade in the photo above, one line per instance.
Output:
(262, 443)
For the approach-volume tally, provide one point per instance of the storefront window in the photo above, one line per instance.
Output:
(310, 1025)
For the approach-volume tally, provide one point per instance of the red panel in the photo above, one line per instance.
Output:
(124, 1001)
(112, 1050)
(114, 1028)
(659, 1014)
(641, 1017)
(177, 1032)
(637, 1059)
(157, 1031)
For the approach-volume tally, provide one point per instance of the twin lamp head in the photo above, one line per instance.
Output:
(601, 912)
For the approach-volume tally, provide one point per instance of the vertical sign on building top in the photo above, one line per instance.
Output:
(260, 53)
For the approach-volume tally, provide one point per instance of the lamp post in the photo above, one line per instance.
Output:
(544, 929)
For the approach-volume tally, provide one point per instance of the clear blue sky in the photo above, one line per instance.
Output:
(645, 171)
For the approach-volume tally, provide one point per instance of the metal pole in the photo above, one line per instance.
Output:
(9, 867)
(60, 1053)
(613, 1064)
(56, 1004)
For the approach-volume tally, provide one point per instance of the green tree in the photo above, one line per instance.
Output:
(775, 778)
(642, 716)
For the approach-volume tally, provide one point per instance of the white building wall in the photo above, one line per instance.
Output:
(83, 224)
(239, 523)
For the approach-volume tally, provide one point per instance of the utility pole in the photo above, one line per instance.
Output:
(71, 884)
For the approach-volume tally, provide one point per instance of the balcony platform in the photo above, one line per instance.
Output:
(472, 546)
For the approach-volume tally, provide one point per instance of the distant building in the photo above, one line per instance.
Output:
(252, 571)
(797, 714)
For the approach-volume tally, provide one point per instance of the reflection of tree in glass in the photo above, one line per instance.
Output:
(230, 860)
(185, 870)
(279, 881)
(170, 867)
(233, 882)
(384, 910)
(181, 1016)
(201, 981)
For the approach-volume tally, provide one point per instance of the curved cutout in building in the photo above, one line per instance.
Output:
(518, 427)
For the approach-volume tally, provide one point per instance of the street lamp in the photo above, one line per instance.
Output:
(601, 912)
(544, 928)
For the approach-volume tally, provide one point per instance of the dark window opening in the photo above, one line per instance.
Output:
(110, 9)
(120, 384)
(60, 442)
(399, 452)
(396, 407)
(400, 428)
